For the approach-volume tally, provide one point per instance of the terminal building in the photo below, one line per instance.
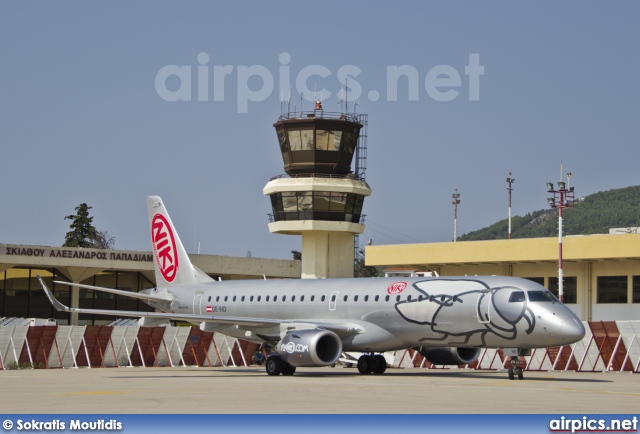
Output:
(601, 272)
(22, 296)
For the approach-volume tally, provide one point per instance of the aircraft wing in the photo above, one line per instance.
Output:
(230, 320)
(119, 292)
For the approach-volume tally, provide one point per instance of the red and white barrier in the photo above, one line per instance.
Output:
(607, 346)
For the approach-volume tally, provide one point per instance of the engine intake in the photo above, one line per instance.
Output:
(310, 348)
(449, 355)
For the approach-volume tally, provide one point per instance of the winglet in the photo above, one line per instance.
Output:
(54, 301)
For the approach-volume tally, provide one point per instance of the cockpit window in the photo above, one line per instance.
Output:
(517, 297)
(542, 296)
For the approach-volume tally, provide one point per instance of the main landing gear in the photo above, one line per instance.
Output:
(370, 364)
(514, 369)
(276, 366)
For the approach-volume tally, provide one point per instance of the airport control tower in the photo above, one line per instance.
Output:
(321, 197)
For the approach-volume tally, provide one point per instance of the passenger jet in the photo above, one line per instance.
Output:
(311, 322)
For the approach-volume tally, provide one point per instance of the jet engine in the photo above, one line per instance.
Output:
(310, 348)
(449, 355)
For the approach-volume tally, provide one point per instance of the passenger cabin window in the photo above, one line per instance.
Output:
(355, 298)
(377, 297)
(259, 298)
(517, 297)
(333, 298)
(366, 298)
(542, 296)
(346, 297)
(234, 298)
(313, 297)
(209, 299)
(284, 298)
(242, 299)
(397, 298)
(226, 297)
(293, 298)
(251, 298)
(267, 299)
(217, 298)
(409, 298)
(386, 298)
(301, 299)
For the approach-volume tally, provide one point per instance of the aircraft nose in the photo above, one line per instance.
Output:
(572, 329)
(562, 327)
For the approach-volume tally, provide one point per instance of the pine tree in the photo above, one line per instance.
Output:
(83, 233)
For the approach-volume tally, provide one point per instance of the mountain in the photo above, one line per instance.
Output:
(594, 214)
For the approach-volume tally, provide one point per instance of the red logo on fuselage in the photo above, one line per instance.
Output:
(396, 288)
(164, 247)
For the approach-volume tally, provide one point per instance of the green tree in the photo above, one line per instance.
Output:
(297, 256)
(103, 240)
(83, 233)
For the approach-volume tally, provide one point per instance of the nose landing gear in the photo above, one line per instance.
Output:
(514, 369)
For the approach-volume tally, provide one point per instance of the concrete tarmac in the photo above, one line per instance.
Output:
(313, 390)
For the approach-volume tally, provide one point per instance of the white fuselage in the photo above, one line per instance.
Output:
(389, 313)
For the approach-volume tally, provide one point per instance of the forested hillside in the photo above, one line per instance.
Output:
(595, 214)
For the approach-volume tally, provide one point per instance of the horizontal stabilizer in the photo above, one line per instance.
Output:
(139, 295)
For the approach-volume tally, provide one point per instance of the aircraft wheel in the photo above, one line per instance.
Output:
(519, 373)
(380, 364)
(274, 365)
(288, 369)
(511, 376)
(365, 364)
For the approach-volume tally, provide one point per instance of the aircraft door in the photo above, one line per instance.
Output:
(483, 308)
(333, 300)
(197, 307)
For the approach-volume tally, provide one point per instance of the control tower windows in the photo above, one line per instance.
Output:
(350, 141)
(317, 205)
(317, 145)
(301, 140)
(328, 140)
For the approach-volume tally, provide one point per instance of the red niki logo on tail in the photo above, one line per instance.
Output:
(164, 247)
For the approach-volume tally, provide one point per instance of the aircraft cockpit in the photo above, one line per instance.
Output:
(534, 296)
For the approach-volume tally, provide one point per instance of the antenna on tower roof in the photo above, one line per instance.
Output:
(346, 96)
(301, 95)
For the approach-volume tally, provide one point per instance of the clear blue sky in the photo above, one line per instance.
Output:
(82, 118)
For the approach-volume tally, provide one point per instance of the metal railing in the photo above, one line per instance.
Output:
(319, 114)
(317, 175)
(316, 215)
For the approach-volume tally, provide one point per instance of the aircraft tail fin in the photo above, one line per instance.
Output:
(172, 264)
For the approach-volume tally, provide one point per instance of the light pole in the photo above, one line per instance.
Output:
(510, 180)
(456, 201)
(562, 198)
